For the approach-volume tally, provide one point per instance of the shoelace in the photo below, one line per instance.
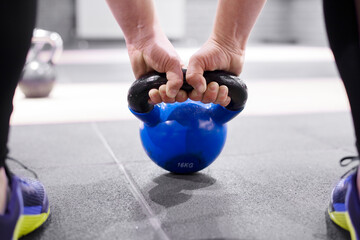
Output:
(23, 165)
(345, 161)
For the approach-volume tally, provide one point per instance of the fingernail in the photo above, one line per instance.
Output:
(182, 94)
(212, 86)
(201, 88)
(228, 100)
(172, 93)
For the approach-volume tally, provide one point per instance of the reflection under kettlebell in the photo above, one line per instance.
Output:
(173, 189)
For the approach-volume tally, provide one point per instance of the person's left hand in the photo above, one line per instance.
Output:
(215, 54)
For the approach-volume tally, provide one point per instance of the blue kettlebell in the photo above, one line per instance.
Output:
(184, 137)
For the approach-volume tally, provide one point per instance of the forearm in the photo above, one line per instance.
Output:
(136, 18)
(234, 21)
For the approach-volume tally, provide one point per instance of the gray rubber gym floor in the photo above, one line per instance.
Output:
(272, 180)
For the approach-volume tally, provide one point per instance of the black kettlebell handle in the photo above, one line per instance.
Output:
(138, 95)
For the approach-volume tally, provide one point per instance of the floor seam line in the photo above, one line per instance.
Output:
(154, 221)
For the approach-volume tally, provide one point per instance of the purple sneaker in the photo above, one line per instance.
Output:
(27, 209)
(344, 208)
(352, 204)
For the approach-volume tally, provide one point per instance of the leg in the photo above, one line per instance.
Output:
(17, 20)
(3, 190)
(27, 207)
(342, 29)
(342, 26)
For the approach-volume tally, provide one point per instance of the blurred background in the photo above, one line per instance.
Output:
(83, 22)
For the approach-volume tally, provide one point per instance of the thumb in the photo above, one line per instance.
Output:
(175, 81)
(194, 76)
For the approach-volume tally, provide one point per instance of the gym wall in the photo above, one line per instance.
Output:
(282, 21)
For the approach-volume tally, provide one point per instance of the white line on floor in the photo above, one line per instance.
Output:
(154, 221)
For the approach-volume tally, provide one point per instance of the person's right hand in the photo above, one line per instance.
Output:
(216, 54)
(156, 53)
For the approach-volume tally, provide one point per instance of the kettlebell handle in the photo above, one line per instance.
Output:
(41, 37)
(138, 95)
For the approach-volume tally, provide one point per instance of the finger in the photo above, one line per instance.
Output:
(164, 97)
(175, 80)
(228, 100)
(222, 95)
(211, 93)
(181, 96)
(194, 75)
(155, 97)
(194, 95)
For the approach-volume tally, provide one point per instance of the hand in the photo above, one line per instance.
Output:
(157, 53)
(215, 54)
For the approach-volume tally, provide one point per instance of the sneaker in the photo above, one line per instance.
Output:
(344, 208)
(27, 209)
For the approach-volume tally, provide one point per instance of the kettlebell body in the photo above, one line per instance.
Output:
(39, 74)
(38, 79)
(187, 138)
(184, 137)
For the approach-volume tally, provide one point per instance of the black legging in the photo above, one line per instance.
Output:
(342, 28)
(17, 21)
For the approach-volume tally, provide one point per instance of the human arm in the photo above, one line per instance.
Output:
(224, 50)
(148, 47)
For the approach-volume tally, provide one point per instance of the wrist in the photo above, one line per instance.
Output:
(140, 34)
(229, 43)
(235, 19)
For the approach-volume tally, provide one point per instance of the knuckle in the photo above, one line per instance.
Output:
(177, 83)
(191, 76)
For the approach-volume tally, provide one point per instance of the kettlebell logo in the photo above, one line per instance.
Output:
(185, 165)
